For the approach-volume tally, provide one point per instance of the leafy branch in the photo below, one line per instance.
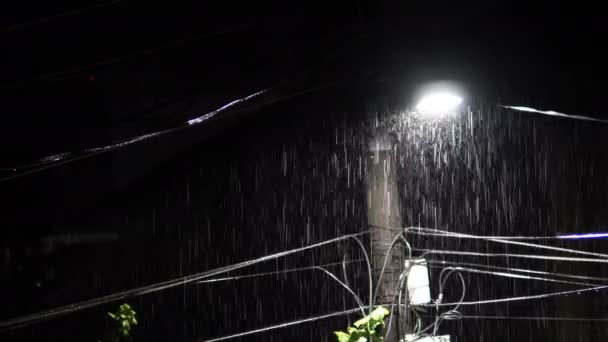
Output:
(124, 318)
(367, 329)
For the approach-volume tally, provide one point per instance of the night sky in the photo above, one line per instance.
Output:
(284, 170)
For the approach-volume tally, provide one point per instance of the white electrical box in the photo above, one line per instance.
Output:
(418, 288)
(413, 338)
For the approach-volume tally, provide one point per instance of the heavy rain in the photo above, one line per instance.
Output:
(294, 210)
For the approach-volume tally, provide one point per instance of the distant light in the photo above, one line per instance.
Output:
(438, 103)
(584, 236)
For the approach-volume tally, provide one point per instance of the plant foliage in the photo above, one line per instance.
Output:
(367, 329)
(125, 319)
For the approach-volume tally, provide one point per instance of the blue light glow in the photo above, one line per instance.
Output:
(584, 236)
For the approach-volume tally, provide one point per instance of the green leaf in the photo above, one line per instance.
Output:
(111, 315)
(361, 339)
(342, 336)
(363, 321)
(379, 313)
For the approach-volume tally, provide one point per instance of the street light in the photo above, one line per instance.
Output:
(438, 104)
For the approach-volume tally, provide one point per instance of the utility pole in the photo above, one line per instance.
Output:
(384, 211)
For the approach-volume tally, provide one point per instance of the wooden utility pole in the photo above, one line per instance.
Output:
(383, 212)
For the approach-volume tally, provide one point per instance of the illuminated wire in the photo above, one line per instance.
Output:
(48, 314)
(511, 255)
(422, 231)
(534, 318)
(442, 282)
(521, 298)
(255, 275)
(345, 275)
(416, 230)
(283, 325)
(48, 19)
(355, 296)
(396, 300)
(91, 152)
(521, 276)
(387, 256)
(448, 314)
(65, 158)
(554, 113)
(521, 270)
(369, 269)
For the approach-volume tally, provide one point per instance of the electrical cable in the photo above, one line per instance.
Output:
(454, 311)
(519, 276)
(64, 158)
(369, 268)
(521, 270)
(511, 255)
(355, 296)
(44, 20)
(522, 298)
(414, 230)
(283, 325)
(386, 257)
(255, 275)
(554, 113)
(402, 279)
(422, 231)
(79, 306)
(345, 275)
(534, 318)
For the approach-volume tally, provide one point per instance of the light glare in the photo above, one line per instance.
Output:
(438, 103)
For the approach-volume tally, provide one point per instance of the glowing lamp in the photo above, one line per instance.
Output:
(439, 103)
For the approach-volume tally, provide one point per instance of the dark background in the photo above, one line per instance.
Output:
(287, 174)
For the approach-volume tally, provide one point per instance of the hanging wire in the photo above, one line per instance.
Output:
(531, 318)
(63, 310)
(396, 303)
(443, 233)
(345, 276)
(355, 296)
(47, 19)
(283, 325)
(518, 276)
(554, 113)
(387, 256)
(511, 255)
(452, 312)
(65, 158)
(299, 269)
(520, 270)
(369, 268)
(522, 298)
(425, 231)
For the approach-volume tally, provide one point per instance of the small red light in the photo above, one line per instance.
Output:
(91, 78)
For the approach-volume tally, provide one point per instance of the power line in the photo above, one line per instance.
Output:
(291, 270)
(67, 158)
(511, 255)
(531, 318)
(48, 19)
(520, 298)
(520, 270)
(79, 306)
(554, 113)
(283, 325)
